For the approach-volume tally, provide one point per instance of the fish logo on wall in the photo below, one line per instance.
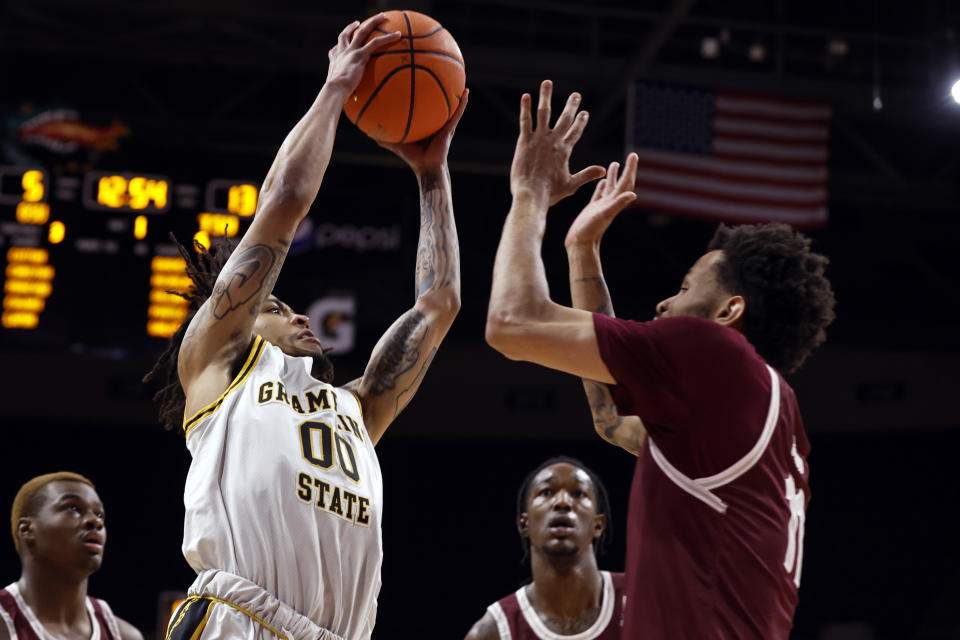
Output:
(62, 131)
(48, 134)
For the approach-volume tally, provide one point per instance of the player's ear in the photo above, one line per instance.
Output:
(599, 524)
(523, 525)
(731, 312)
(25, 530)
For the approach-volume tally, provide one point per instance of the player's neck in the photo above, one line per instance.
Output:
(565, 590)
(54, 597)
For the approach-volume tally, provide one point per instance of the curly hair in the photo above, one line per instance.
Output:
(789, 301)
(203, 268)
(603, 502)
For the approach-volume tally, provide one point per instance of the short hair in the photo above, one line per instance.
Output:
(789, 301)
(24, 503)
(602, 501)
(203, 268)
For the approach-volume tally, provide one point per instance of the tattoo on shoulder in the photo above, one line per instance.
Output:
(195, 322)
(400, 352)
(486, 629)
(248, 276)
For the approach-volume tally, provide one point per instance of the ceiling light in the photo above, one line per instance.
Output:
(709, 47)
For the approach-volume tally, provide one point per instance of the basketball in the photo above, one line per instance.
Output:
(410, 89)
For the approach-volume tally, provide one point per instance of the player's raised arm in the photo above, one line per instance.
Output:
(404, 353)
(523, 323)
(588, 291)
(222, 328)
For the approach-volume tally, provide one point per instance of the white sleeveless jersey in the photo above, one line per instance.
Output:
(285, 490)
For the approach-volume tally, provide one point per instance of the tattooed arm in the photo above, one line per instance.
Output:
(223, 326)
(404, 353)
(588, 291)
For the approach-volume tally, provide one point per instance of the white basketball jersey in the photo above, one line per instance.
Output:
(285, 490)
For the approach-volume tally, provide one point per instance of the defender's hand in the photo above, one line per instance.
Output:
(610, 197)
(542, 157)
(430, 154)
(349, 56)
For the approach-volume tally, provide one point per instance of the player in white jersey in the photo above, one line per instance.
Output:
(284, 495)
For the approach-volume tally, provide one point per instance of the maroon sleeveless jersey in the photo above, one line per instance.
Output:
(517, 620)
(719, 495)
(22, 624)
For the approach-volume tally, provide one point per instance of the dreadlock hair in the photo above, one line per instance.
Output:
(603, 502)
(789, 301)
(203, 268)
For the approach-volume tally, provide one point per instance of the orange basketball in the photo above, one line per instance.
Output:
(410, 89)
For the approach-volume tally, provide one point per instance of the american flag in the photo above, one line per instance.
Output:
(729, 156)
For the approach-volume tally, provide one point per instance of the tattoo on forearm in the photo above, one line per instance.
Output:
(607, 421)
(601, 405)
(597, 299)
(249, 275)
(437, 251)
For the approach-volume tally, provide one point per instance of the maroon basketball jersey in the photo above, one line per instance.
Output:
(22, 624)
(517, 620)
(716, 518)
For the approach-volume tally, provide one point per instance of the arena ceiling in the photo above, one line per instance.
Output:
(212, 69)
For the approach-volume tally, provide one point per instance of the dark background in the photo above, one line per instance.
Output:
(209, 90)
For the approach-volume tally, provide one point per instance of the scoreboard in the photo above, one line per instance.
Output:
(70, 242)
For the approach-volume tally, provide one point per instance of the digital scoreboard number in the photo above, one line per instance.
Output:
(231, 196)
(26, 188)
(126, 192)
(225, 207)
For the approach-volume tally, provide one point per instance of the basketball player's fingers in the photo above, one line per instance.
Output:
(378, 42)
(451, 125)
(347, 33)
(624, 199)
(543, 107)
(598, 191)
(629, 177)
(568, 114)
(525, 119)
(612, 173)
(364, 31)
(572, 136)
(586, 175)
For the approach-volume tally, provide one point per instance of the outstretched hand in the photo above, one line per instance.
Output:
(541, 162)
(610, 197)
(348, 58)
(430, 154)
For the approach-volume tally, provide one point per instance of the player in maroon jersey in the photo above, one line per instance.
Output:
(715, 526)
(58, 529)
(563, 519)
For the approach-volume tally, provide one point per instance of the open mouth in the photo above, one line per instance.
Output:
(93, 541)
(560, 525)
